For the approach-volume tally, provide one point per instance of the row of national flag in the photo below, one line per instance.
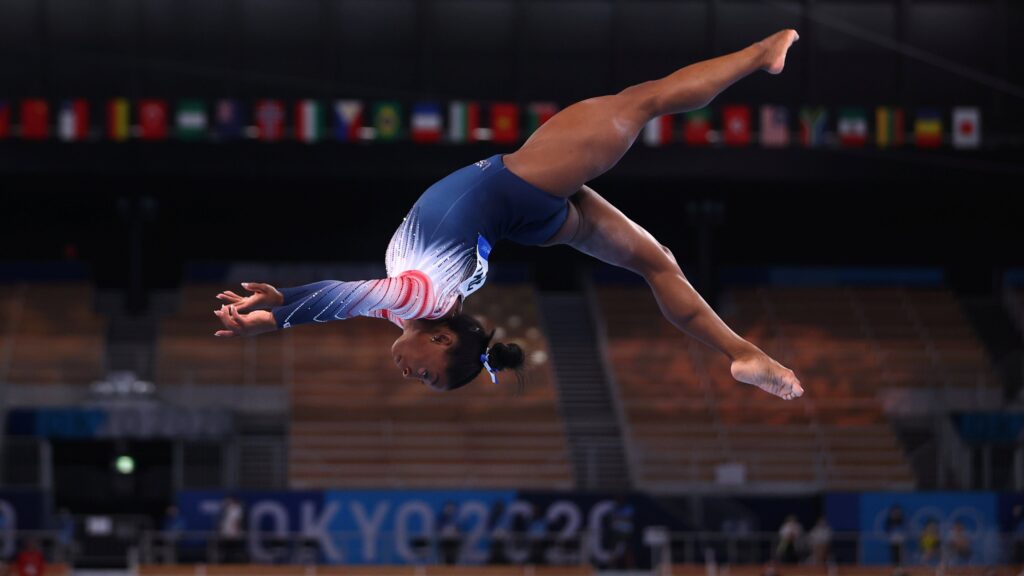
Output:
(311, 121)
(273, 120)
(817, 127)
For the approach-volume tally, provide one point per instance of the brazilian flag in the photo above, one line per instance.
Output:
(387, 119)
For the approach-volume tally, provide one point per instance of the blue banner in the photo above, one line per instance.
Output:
(931, 520)
(411, 526)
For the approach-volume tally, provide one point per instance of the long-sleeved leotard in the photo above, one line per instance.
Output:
(440, 250)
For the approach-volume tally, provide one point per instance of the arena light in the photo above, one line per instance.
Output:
(124, 464)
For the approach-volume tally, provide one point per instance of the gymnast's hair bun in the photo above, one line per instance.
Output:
(502, 356)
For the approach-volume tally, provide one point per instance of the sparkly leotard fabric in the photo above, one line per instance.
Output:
(439, 251)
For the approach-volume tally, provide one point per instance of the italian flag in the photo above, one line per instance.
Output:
(73, 120)
(463, 121)
(309, 121)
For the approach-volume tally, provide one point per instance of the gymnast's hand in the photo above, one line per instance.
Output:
(263, 297)
(237, 324)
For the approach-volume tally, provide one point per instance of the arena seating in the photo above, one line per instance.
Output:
(282, 570)
(50, 334)
(688, 417)
(357, 423)
(188, 353)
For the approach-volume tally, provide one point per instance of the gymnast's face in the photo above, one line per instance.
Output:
(423, 356)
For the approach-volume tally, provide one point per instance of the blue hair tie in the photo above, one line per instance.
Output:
(491, 371)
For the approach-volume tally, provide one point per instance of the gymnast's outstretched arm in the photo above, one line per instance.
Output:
(394, 298)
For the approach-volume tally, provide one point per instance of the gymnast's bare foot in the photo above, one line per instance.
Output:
(776, 47)
(767, 374)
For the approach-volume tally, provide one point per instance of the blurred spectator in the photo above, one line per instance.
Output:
(959, 544)
(64, 539)
(172, 527)
(1017, 534)
(896, 532)
(30, 561)
(537, 535)
(497, 527)
(929, 542)
(821, 540)
(622, 534)
(448, 534)
(229, 531)
(790, 534)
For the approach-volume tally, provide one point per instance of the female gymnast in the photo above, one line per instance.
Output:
(536, 195)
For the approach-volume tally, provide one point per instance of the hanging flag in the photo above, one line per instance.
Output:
(73, 120)
(774, 126)
(228, 120)
(309, 121)
(537, 113)
(928, 128)
(269, 120)
(812, 126)
(697, 127)
(5, 119)
(191, 119)
(348, 120)
(387, 119)
(853, 127)
(463, 121)
(152, 119)
(35, 119)
(118, 119)
(504, 123)
(736, 125)
(889, 127)
(658, 131)
(426, 122)
(966, 127)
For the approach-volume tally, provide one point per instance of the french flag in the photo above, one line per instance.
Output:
(73, 120)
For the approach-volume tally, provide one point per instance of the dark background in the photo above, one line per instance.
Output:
(960, 210)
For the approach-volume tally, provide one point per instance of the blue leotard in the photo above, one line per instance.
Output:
(439, 251)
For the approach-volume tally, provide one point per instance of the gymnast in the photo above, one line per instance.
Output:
(538, 196)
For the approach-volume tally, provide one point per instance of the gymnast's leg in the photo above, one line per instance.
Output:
(597, 228)
(586, 139)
